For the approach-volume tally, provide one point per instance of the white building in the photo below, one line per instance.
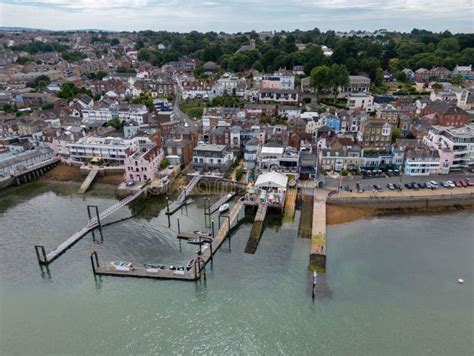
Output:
(360, 101)
(97, 114)
(111, 149)
(455, 146)
(21, 162)
(421, 162)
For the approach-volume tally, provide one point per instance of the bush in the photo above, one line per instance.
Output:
(165, 163)
(345, 172)
(238, 174)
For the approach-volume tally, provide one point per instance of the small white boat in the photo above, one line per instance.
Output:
(230, 195)
(223, 207)
(121, 265)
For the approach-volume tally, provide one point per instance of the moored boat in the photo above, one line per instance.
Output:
(223, 207)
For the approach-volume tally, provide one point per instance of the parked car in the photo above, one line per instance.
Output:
(130, 183)
(377, 187)
(464, 183)
(434, 183)
(458, 184)
(408, 186)
(451, 184)
(428, 186)
(422, 185)
(415, 185)
(397, 186)
(390, 186)
(445, 184)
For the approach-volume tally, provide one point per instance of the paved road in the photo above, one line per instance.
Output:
(177, 110)
(382, 181)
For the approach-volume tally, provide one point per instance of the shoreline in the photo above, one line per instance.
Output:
(348, 207)
(338, 214)
(73, 175)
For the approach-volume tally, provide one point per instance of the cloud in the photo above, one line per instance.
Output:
(238, 15)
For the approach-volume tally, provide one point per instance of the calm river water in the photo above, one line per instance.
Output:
(391, 286)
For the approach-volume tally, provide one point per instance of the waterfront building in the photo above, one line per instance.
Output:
(21, 162)
(421, 161)
(143, 164)
(455, 146)
(110, 149)
(207, 157)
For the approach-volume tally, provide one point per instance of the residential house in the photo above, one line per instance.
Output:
(213, 158)
(342, 153)
(375, 133)
(179, 151)
(447, 114)
(360, 101)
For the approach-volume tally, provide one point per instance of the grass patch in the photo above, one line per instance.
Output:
(193, 109)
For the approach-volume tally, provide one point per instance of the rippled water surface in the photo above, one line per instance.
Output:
(391, 285)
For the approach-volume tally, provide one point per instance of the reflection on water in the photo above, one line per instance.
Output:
(390, 287)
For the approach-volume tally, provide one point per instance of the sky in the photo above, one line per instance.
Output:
(239, 15)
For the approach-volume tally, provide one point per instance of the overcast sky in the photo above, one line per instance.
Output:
(239, 15)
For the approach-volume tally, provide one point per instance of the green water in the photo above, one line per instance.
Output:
(391, 286)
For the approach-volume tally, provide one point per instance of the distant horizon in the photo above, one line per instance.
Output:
(233, 16)
(32, 29)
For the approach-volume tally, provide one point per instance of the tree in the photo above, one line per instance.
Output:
(39, 83)
(115, 123)
(457, 79)
(47, 106)
(320, 79)
(396, 134)
(449, 44)
(23, 60)
(164, 163)
(339, 78)
(114, 42)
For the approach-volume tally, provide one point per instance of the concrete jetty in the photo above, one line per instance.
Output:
(257, 229)
(88, 181)
(318, 232)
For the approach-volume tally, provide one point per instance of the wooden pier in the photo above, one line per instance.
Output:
(306, 218)
(189, 275)
(290, 203)
(93, 223)
(214, 207)
(257, 229)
